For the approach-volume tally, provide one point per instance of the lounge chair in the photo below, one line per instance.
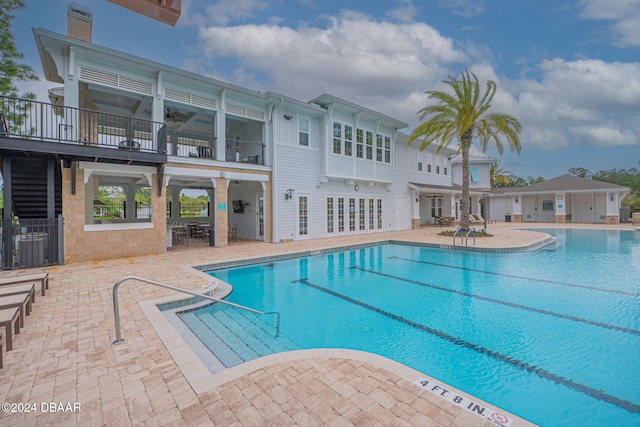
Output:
(476, 219)
(635, 218)
(43, 278)
(29, 288)
(1, 350)
(10, 319)
(20, 301)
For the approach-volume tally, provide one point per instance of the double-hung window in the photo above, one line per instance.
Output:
(337, 138)
(303, 131)
(348, 140)
(359, 143)
(379, 147)
(369, 145)
(387, 149)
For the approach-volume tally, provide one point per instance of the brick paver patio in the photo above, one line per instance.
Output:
(64, 355)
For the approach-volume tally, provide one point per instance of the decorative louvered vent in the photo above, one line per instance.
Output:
(189, 98)
(114, 80)
(238, 110)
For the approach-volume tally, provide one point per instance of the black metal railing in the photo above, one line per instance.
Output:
(194, 209)
(626, 214)
(117, 211)
(244, 152)
(32, 243)
(53, 123)
(191, 144)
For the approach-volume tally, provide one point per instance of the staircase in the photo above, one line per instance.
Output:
(235, 336)
(29, 187)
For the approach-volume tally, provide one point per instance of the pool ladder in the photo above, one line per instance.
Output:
(116, 309)
(464, 236)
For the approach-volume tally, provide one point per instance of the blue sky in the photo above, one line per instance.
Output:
(568, 70)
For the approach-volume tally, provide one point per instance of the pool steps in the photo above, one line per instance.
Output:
(236, 337)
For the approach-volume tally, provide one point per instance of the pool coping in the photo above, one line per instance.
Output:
(312, 252)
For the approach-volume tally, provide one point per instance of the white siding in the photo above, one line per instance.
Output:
(246, 221)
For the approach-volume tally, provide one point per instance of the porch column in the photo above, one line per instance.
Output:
(613, 207)
(516, 203)
(211, 194)
(415, 210)
(174, 192)
(220, 132)
(561, 210)
(222, 212)
(130, 200)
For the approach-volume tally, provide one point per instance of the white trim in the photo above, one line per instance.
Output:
(244, 176)
(119, 226)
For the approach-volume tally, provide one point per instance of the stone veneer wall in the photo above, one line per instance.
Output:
(517, 218)
(613, 219)
(561, 219)
(80, 245)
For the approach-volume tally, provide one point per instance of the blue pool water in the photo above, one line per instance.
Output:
(551, 335)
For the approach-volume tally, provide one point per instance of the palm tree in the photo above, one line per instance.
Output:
(499, 177)
(463, 116)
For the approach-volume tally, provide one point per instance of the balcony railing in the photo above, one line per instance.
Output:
(244, 152)
(190, 144)
(39, 121)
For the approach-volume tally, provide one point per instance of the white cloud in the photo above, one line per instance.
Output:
(584, 102)
(377, 64)
(405, 12)
(221, 12)
(465, 8)
(623, 14)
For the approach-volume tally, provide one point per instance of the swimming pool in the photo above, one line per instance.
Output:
(551, 335)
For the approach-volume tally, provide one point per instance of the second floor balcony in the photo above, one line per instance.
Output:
(32, 127)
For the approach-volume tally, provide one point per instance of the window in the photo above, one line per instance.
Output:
(352, 214)
(369, 145)
(379, 147)
(419, 166)
(547, 205)
(445, 171)
(436, 207)
(329, 214)
(475, 175)
(429, 168)
(379, 214)
(303, 131)
(359, 143)
(348, 140)
(303, 217)
(340, 214)
(387, 149)
(372, 223)
(437, 169)
(337, 138)
(362, 213)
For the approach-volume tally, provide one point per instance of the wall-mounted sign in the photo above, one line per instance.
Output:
(222, 206)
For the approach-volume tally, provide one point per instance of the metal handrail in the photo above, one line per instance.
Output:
(467, 236)
(455, 234)
(116, 309)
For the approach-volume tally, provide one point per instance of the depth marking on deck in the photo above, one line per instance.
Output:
(514, 276)
(519, 364)
(506, 303)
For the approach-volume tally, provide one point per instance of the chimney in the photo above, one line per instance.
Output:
(80, 21)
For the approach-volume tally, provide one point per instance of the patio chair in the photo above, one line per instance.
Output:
(2, 350)
(4, 130)
(233, 232)
(10, 319)
(43, 278)
(476, 219)
(635, 218)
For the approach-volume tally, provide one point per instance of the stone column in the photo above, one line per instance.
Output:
(222, 215)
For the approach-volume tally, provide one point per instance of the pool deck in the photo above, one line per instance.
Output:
(64, 354)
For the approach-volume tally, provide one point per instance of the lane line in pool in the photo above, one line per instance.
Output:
(513, 276)
(506, 303)
(519, 364)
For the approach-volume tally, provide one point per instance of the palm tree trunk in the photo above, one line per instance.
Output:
(465, 205)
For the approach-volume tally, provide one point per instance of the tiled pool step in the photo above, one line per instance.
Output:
(235, 336)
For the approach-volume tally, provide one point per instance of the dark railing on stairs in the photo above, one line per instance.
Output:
(30, 243)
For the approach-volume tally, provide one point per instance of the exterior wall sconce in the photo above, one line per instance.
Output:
(611, 196)
(289, 194)
(516, 199)
(288, 116)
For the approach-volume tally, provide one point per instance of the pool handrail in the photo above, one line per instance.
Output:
(467, 236)
(116, 309)
(460, 229)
